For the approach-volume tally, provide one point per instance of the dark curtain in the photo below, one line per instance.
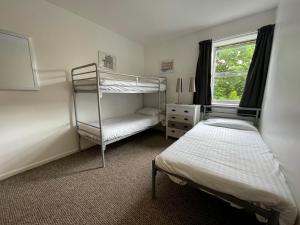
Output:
(258, 70)
(202, 95)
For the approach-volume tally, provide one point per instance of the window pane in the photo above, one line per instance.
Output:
(229, 87)
(232, 64)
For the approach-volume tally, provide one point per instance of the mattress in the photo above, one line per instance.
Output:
(236, 162)
(121, 86)
(118, 127)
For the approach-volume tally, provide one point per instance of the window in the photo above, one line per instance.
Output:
(231, 61)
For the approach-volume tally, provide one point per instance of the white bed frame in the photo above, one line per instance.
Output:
(92, 72)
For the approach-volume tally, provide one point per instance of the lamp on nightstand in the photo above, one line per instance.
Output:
(179, 88)
(192, 86)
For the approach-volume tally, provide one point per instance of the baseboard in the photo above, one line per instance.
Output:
(36, 164)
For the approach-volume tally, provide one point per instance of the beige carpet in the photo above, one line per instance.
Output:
(74, 191)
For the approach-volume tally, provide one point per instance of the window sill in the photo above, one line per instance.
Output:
(225, 103)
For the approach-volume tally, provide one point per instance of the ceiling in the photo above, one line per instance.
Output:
(148, 21)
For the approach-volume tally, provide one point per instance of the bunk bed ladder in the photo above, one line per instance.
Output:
(75, 112)
(95, 70)
(103, 145)
(159, 98)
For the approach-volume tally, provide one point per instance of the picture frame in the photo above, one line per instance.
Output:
(167, 66)
(106, 61)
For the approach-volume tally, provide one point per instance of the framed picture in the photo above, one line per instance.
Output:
(167, 66)
(106, 61)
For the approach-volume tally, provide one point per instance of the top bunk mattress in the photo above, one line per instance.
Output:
(232, 161)
(118, 127)
(120, 86)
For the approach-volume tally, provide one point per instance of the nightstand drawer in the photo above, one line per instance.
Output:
(189, 111)
(179, 125)
(172, 132)
(180, 118)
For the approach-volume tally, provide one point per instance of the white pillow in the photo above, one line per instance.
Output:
(231, 123)
(149, 111)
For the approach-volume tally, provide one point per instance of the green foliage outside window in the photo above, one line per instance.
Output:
(232, 64)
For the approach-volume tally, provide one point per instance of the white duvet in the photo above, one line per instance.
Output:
(118, 127)
(236, 162)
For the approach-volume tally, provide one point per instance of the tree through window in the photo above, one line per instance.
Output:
(231, 65)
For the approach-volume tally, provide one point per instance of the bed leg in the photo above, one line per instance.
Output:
(154, 171)
(103, 147)
(79, 142)
(274, 218)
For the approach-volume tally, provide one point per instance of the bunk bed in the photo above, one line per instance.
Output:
(91, 79)
(227, 158)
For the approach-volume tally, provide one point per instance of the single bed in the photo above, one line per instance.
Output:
(108, 85)
(118, 127)
(233, 161)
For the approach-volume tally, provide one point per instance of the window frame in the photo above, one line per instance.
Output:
(220, 43)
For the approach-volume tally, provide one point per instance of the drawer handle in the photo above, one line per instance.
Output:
(173, 131)
(186, 119)
(173, 110)
(173, 117)
(185, 126)
(172, 124)
(186, 111)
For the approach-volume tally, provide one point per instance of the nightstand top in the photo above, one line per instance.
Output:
(183, 105)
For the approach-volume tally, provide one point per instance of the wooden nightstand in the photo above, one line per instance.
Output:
(181, 118)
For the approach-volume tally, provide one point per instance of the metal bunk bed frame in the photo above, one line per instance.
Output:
(92, 68)
(231, 111)
(271, 215)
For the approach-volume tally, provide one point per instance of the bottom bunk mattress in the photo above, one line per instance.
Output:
(118, 127)
(232, 161)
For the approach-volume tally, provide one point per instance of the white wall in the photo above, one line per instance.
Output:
(37, 126)
(280, 124)
(184, 50)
